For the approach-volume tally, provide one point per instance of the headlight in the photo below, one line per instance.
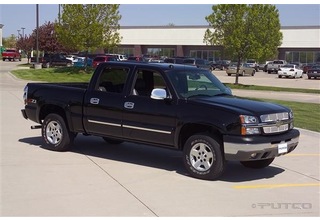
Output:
(248, 119)
(290, 114)
(249, 125)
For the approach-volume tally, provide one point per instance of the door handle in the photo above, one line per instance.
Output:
(94, 101)
(129, 105)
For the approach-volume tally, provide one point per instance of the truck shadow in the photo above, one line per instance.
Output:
(155, 157)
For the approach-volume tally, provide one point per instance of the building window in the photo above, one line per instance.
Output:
(206, 54)
(161, 52)
(302, 57)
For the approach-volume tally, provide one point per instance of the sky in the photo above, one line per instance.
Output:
(22, 17)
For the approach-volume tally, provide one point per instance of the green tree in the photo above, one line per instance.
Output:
(10, 42)
(89, 27)
(245, 31)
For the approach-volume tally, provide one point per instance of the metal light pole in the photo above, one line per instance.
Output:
(23, 31)
(18, 34)
(37, 32)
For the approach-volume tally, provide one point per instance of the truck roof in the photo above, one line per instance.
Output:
(163, 66)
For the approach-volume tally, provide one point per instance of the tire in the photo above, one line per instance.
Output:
(112, 141)
(253, 72)
(279, 76)
(55, 133)
(229, 74)
(203, 157)
(257, 164)
(3, 59)
(47, 65)
(243, 72)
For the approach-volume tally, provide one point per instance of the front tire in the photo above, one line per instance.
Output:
(55, 133)
(203, 157)
(257, 164)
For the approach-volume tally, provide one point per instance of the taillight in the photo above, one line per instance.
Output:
(25, 94)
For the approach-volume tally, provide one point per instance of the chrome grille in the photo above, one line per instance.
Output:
(276, 121)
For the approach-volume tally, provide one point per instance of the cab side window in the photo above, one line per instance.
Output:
(146, 81)
(112, 80)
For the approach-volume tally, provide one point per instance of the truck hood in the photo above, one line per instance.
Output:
(239, 105)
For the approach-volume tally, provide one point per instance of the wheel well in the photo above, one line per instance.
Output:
(48, 109)
(193, 128)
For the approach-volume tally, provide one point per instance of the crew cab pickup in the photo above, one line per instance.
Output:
(275, 66)
(11, 54)
(175, 106)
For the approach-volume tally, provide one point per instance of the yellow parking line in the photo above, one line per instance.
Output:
(275, 185)
(297, 155)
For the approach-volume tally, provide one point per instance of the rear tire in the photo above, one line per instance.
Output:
(257, 164)
(203, 157)
(55, 133)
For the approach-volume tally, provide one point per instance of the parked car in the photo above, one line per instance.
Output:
(307, 66)
(275, 66)
(200, 63)
(11, 54)
(222, 64)
(290, 70)
(120, 57)
(100, 59)
(314, 71)
(72, 57)
(265, 68)
(253, 63)
(137, 58)
(176, 60)
(80, 62)
(243, 69)
(56, 59)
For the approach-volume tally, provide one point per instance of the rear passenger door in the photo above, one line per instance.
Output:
(103, 105)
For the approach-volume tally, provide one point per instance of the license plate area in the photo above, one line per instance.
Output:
(282, 148)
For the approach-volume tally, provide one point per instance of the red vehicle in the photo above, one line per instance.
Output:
(306, 67)
(100, 59)
(11, 54)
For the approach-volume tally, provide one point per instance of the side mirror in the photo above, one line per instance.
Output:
(159, 94)
(228, 90)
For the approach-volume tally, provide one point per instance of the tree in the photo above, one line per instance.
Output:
(26, 43)
(48, 40)
(89, 27)
(245, 31)
(10, 42)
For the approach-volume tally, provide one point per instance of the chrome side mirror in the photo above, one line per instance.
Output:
(159, 94)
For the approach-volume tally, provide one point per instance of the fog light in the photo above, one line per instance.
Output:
(253, 156)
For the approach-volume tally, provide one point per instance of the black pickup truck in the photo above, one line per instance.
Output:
(167, 105)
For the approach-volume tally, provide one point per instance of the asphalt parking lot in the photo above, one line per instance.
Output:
(99, 179)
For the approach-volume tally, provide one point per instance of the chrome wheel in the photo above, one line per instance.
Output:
(54, 132)
(201, 157)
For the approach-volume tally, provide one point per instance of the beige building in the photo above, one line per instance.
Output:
(300, 43)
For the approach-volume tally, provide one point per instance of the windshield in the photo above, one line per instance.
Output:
(197, 82)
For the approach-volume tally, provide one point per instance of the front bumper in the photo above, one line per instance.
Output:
(239, 148)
